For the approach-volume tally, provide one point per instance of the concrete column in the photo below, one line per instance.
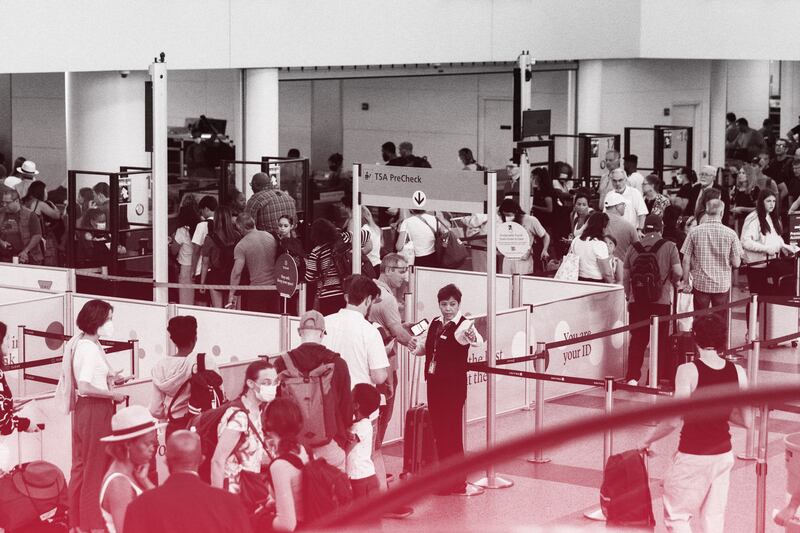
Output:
(790, 100)
(718, 107)
(590, 86)
(326, 121)
(260, 117)
(105, 121)
(5, 120)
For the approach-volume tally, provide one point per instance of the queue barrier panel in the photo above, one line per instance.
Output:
(428, 281)
(246, 335)
(17, 294)
(575, 317)
(37, 277)
(535, 290)
(137, 320)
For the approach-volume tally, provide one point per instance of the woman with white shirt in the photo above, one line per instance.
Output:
(590, 246)
(375, 237)
(182, 247)
(93, 379)
(421, 229)
(761, 240)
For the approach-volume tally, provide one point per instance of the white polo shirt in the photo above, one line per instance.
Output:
(358, 342)
(635, 207)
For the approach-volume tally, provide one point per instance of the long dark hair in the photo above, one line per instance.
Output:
(36, 190)
(595, 227)
(284, 418)
(324, 232)
(224, 227)
(253, 370)
(545, 180)
(509, 205)
(189, 217)
(761, 211)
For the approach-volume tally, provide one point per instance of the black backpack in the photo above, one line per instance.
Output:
(342, 254)
(625, 493)
(205, 392)
(206, 426)
(325, 488)
(646, 279)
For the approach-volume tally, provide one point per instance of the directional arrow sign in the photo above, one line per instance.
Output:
(457, 191)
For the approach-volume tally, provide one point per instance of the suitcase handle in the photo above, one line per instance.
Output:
(415, 379)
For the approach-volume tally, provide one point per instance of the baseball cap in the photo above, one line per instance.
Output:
(312, 319)
(613, 198)
(653, 223)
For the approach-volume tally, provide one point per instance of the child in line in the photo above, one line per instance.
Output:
(360, 468)
(616, 264)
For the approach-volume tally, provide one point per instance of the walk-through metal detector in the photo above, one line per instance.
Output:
(661, 148)
(588, 154)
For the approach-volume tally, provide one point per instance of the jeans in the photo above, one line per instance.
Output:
(640, 339)
(696, 487)
(705, 300)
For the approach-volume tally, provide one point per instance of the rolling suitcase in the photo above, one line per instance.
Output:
(419, 448)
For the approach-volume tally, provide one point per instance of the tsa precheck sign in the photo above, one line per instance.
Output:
(459, 191)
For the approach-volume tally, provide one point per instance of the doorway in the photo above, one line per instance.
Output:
(495, 133)
(687, 115)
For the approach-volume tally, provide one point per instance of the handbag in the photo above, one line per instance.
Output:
(254, 486)
(451, 252)
(570, 266)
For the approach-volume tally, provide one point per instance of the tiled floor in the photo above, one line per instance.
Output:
(554, 496)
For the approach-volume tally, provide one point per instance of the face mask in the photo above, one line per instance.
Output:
(266, 393)
(106, 330)
(101, 225)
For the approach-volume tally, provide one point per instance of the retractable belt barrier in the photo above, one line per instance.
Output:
(153, 283)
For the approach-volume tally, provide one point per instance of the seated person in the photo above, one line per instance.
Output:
(93, 246)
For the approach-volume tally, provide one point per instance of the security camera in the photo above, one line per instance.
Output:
(124, 73)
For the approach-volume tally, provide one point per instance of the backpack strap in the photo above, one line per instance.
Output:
(435, 233)
(292, 459)
(201, 367)
(290, 366)
(639, 248)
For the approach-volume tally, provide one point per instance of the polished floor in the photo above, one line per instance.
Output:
(554, 496)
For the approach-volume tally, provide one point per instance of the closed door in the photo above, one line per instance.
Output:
(496, 141)
(686, 115)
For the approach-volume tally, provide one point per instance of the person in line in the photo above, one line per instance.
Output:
(86, 388)
(388, 152)
(697, 481)
(283, 422)
(361, 346)
(386, 314)
(631, 166)
(511, 187)
(564, 183)
(26, 174)
(170, 398)
(288, 243)
(132, 445)
(184, 503)
(360, 468)
(421, 229)
(374, 235)
(684, 180)
(407, 157)
(580, 211)
(256, 251)
(710, 252)
(13, 179)
(636, 209)
(744, 200)
(614, 262)
(779, 168)
(183, 249)
(761, 241)
(623, 231)
(446, 350)
(51, 218)
(793, 187)
(208, 206)
(706, 196)
(591, 248)
(94, 249)
(510, 211)
(218, 253)
(748, 142)
(612, 163)
(655, 202)
(310, 355)
(20, 230)
(670, 272)
(672, 231)
(9, 422)
(467, 160)
(267, 205)
(241, 437)
(321, 268)
(697, 195)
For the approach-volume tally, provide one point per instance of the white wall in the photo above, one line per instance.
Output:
(39, 124)
(748, 90)
(213, 93)
(5, 118)
(438, 114)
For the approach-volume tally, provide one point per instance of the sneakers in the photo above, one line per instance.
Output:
(399, 513)
(470, 490)
(633, 382)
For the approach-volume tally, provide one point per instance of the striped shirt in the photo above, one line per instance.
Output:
(712, 249)
(320, 267)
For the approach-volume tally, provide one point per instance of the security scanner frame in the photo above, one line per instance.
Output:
(120, 228)
(663, 141)
(585, 173)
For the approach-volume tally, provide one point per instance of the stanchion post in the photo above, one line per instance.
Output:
(608, 436)
(761, 471)
(20, 346)
(754, 354)
(729, 320)
(301, 299)
(284, 333)
(69, 313)
(539, 367)
(492, 480)
(135, 358)
(653, 370)
(516, 283)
